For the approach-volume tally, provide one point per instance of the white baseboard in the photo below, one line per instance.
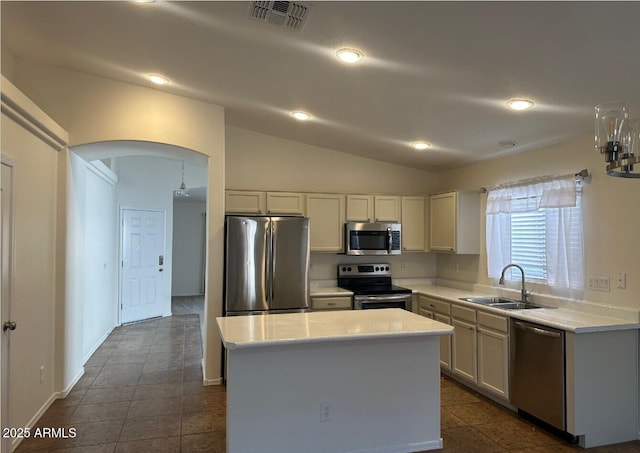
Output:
(405, 448)
(217, 381)
(35, 418)
(205, 381)
(97, 345)
(67, 390)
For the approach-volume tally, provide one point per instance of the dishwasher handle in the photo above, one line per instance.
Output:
(537, 330)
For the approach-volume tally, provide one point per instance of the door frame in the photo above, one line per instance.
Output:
(121, 251)
(5, 374)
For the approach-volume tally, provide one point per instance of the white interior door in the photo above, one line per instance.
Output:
(142, 270)
(7, 233)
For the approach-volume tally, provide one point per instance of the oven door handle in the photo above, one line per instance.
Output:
(390, 297)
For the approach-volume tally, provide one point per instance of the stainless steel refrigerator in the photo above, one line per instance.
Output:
(266, 265)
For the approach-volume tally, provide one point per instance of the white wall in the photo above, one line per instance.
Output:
(257, 161)
(416, 264)
(94, 248)
(611, 217)
(188, 247)
(94, 109)
(34, 271)
(7, 62)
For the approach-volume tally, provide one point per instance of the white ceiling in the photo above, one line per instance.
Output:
(434, 71)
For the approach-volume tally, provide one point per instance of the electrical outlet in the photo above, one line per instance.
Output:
(599, 284)
(403, 264)
(621, 281)
(42, 374)
(325, 412)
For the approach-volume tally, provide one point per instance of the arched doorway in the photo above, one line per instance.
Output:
(106, 178)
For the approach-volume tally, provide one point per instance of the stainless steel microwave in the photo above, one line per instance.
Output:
(372, 238)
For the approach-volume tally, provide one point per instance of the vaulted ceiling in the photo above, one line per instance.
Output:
(438, 72)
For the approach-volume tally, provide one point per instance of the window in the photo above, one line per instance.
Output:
(537, 225)
(528, 244)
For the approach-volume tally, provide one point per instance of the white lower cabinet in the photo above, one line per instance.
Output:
(464, 361)
(493, 353)
(445, 343)
(481, 349)
(478, 350)
(440, 311)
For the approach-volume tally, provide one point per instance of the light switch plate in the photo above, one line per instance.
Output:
(599, 284)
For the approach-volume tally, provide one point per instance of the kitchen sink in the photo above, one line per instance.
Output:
(502, 303)
(487, 300)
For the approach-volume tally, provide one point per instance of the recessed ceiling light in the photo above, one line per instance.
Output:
(421, 145)
(519, 104)
(158, 79)
(507, 143)
(301, 116)
(350, 56)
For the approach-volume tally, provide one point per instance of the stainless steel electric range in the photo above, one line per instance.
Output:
(372, 287)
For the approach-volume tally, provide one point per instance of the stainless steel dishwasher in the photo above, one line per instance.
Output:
(537, 372)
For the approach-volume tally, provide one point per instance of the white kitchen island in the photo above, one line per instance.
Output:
(343, 381)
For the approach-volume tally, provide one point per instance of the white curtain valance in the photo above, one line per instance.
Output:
(559, 192)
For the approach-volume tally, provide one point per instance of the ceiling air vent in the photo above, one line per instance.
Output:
(284, 14)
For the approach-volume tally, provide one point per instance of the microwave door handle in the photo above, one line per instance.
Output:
(385, 298)
(389, 240)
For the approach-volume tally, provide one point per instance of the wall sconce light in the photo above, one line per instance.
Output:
(618, 138)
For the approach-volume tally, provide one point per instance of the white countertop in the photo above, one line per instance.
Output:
(561, 318)
(329, 291)
(329, 326)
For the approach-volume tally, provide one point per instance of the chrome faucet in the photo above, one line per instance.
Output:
(524, 293)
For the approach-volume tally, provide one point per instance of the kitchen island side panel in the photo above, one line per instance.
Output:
(383, 396)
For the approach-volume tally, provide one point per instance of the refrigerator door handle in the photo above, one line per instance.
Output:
(268, 264)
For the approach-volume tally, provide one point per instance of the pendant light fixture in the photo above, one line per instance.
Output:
(182, 192)
(618, 139)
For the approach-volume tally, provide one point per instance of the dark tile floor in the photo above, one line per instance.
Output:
(142, 392)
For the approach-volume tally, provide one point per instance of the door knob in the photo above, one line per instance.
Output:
(9, 325)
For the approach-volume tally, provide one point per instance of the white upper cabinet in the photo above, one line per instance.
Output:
(386, 208)
(326, 222)
(454, 223)
(413, 230)
(373, 208)
(287, 203)
(245, 202)
(359, 208)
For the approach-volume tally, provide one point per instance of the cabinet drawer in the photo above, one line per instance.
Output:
(495, 322)
(331, 303)
(463, 313)
(427, 303)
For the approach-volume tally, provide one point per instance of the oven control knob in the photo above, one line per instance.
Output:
(349, 269)
(344, 269)
(377, 268)
(387, 268)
